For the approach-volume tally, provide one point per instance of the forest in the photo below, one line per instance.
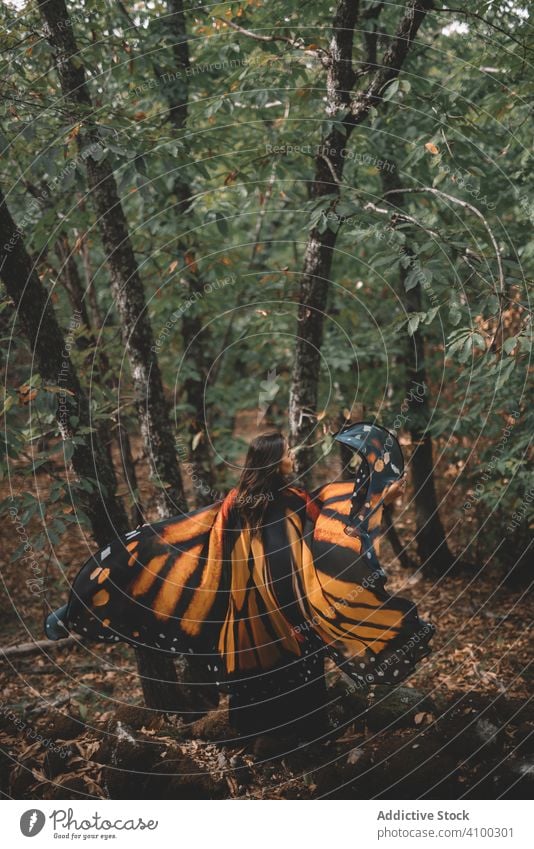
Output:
(221, 219)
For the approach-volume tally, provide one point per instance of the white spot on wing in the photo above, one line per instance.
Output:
(105, 553)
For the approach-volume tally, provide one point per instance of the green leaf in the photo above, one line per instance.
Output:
(431, 314)
(68, 449)
(413, 323)
(412, 279)
(391, 90)
(222, 224)
(455, 314)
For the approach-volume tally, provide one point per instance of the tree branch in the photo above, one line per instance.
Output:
(38, 647)
(297, 44)
(465, 205)
(392, 60)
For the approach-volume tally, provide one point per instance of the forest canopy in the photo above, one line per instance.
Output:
(240, 211)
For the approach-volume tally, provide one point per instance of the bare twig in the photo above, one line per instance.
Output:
(43, 706)
(465, 205)
(255, 35)
(37, 647)
(331, 168)
(297, 44)
(400, 216)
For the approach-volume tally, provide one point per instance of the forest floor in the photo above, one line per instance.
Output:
(72, 724)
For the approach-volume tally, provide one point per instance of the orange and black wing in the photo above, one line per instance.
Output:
(157, 586)
(374, 636)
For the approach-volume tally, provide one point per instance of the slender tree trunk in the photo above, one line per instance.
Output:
(315, 279)
(200, 454)
(196, 337)
(432, 547)
(130, 473)
(70, 276)
(345, 453)
(38, 319)
(348, 109)
(127, 288)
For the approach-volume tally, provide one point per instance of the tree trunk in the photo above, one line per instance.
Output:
(70, 277)
(127, 288)
(130, 474)
(349, 110)
(196, 337)
(201, 466)
(159, 681)
(432, 547)
(36, 314)
(315, 280)
(152, 406)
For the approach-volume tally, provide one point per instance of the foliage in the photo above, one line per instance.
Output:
(455, 122)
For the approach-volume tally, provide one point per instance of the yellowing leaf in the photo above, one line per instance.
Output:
(190, 261)
(74, 132)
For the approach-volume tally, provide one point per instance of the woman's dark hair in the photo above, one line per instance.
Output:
(261, 478)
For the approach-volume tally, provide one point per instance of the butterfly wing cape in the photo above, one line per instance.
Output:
(200, 584)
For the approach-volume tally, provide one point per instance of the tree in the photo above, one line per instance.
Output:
(136, 330)
(195, 333)
(434, 553)
(345, 109)
(138, 340)
(56, 370)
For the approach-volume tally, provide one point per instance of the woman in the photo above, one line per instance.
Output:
(262, 585)
(276, 677)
